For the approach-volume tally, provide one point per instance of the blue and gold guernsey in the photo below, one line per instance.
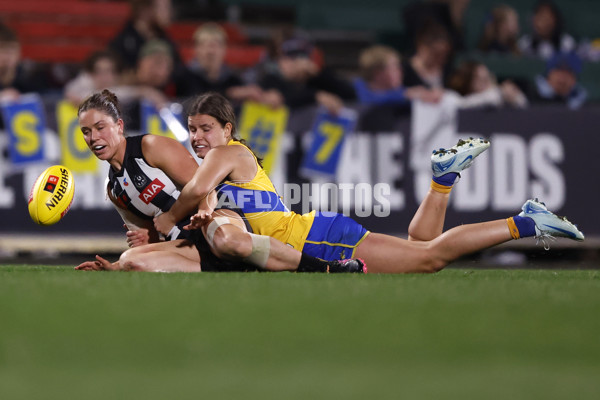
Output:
(329, 236)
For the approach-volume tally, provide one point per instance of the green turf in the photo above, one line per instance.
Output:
(459, 334)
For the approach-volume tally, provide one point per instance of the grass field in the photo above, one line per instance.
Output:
(459, 334)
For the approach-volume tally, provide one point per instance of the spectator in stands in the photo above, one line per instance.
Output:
(155, 67)
(447, 13)
(559, 83)
(268, 62)
(430, 65)
(501, 32)
(208, 71)
(381, 79)
(300, 82)
(149, 20)
(548, 36)
(101, 70)
(14, 78)
(478, 88)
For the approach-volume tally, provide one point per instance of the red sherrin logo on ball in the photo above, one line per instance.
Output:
(51, 183)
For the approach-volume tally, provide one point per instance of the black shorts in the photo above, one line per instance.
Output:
(211, 263)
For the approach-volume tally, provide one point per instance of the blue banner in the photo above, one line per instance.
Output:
(25, 124)
(328, 136)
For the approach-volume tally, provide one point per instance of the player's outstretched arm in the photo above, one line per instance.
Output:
(217, 165)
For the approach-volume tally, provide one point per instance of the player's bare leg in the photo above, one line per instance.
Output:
(428, 221)
(446, 164)
(388, 254)
(229, 239)
(172, 256)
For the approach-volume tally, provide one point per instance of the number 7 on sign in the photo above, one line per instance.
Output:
(332, 135)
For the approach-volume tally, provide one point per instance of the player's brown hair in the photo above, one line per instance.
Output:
(218, 107)
(105, 101)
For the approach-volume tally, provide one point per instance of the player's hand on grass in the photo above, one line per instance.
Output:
(138, 237)
(164, 223)
(100, 264)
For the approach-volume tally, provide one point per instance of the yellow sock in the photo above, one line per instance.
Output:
(512, 227)
(440, 188)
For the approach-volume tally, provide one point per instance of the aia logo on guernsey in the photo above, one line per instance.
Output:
(151, 191)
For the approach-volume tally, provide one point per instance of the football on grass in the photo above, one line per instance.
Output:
(51, 195)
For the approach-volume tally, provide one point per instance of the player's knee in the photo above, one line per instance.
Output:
(231, 243)
(131, 260)
(435, 264)
(432, 262)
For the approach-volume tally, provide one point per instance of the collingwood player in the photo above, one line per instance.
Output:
(146, 175)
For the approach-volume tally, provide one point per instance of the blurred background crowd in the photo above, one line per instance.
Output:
(305, 52)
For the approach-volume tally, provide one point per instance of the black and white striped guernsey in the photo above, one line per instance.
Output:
(144, 190)
(147, 191)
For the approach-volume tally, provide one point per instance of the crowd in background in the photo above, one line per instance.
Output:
(142, 61)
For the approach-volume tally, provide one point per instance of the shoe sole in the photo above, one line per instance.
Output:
(444, 161)
(567, 230)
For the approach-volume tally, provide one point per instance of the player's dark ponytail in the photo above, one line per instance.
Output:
(106, 101)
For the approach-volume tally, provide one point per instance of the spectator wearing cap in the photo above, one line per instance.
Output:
(559, 83)
(381, 79)
(208, 71)
(299, 81)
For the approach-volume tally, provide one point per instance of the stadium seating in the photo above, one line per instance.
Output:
(68, 31)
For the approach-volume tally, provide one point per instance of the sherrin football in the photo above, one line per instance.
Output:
(51, 195)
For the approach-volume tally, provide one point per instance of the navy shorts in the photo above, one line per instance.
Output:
(333, 236)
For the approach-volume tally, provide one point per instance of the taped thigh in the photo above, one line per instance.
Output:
(213, 226)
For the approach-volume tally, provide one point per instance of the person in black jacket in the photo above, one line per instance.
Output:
(149, 20)
(300, 82)
(430, 66)
(15, 79)
(208, 71)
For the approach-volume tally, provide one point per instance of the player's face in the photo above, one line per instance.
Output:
(101, 133)
(206, 133)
